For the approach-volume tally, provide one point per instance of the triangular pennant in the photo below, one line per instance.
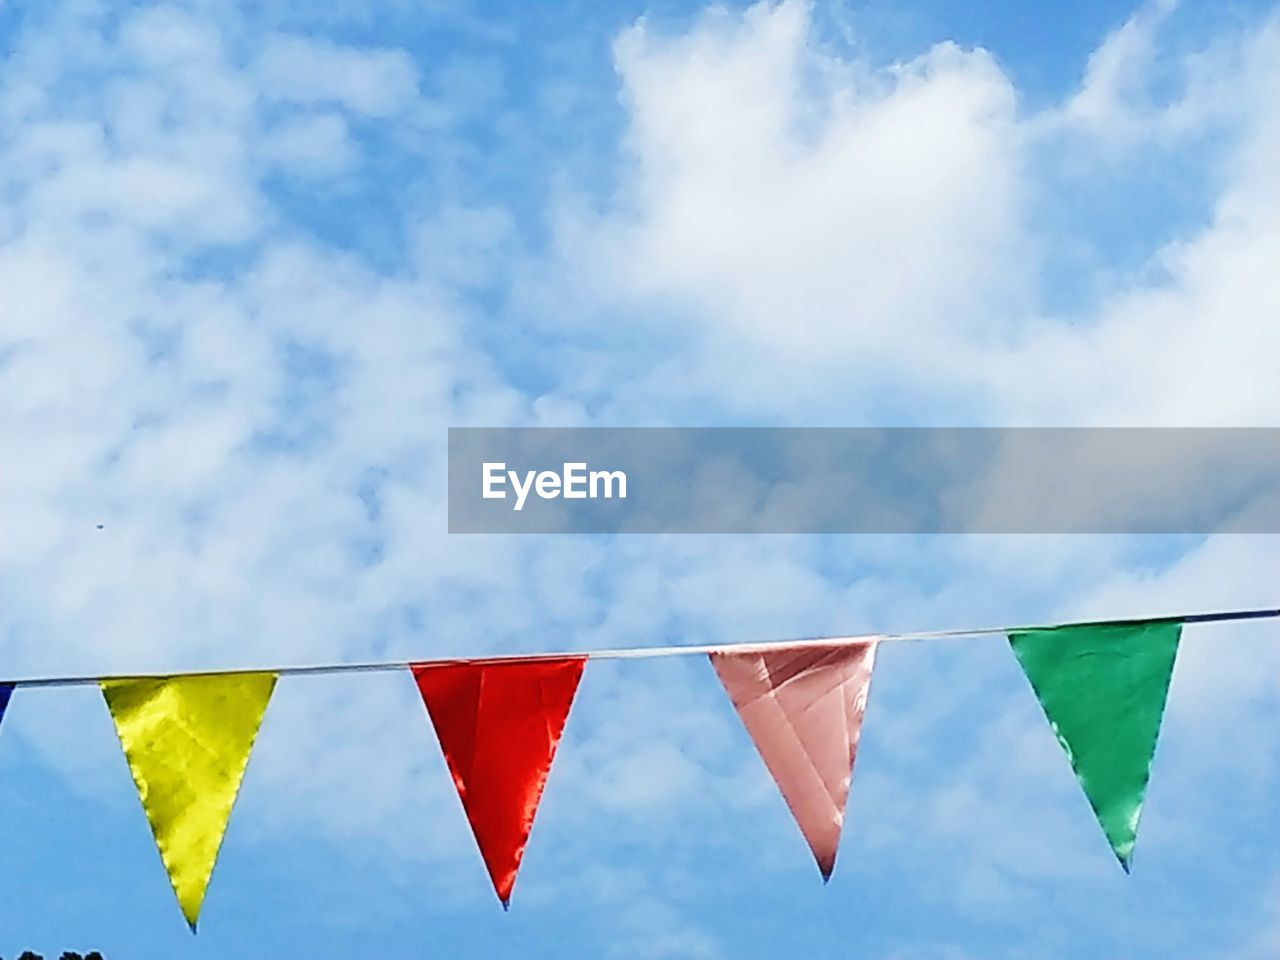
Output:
(499, 723)
(803, 706)
(6, 691)
(187, 740)
(1103, 689)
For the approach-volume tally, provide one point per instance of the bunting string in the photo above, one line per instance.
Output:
(187, 736)
(636, 653)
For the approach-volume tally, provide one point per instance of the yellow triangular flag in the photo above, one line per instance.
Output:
(187, 740)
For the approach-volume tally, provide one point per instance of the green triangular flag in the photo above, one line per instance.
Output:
(1103, 688)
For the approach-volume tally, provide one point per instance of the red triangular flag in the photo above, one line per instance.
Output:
(498, 723)
(803, 706)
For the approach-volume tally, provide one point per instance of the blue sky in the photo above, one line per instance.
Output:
(253, 265)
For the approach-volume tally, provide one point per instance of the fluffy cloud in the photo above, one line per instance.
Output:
(254, 410)
(374, 83)
(791, 206)
(872, 242)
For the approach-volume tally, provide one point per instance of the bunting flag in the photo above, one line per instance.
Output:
(803, 707)
(187, 740)
(498, 724)
(1103, 689)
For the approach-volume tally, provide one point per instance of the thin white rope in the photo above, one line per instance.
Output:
(636, 653)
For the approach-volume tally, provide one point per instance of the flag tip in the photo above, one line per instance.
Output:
(1125, 860)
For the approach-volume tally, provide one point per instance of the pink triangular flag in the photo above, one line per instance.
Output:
(803, 706)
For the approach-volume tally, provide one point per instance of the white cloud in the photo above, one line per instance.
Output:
(1117, 73)
(805, 239)
(843, 244)
(316, 145)
(374, 83)
(807, 214)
